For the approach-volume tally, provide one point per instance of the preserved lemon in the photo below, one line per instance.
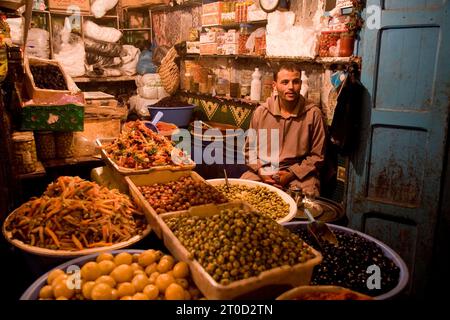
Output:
(60, 289)
(174, 292)
(106, 279)
(106, 266)
(181, 270)
(140, 281)
(125, 289)
(101, 291)
(53, 275)
(163, 281)
(105, 256)
(86, 289)
(147, 257)
(90, 271)
(46, 292)
(123, 258)
(151, 291)
(122, 273)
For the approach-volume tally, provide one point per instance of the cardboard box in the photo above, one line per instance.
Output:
(215, 7)
(208, 48)
(230, 48)
(54, 118)
(67, 117)
(192, 46)
(231, 37)
(62, 5)
(212, 19)
(42, 96)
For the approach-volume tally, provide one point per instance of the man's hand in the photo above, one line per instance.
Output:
(266, 178)
(285, 177)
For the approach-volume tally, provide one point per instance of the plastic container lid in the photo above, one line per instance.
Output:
(22, 136)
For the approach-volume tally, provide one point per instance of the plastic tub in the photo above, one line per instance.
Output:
(387, 251)
(180, 116)
(32, 293)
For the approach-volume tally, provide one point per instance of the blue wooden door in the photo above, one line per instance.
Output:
(395, 176)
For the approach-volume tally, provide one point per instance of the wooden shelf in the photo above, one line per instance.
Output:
(166, 8)
(103, 79)
(53, 163)
(38, 173)
(236, 25)
(318, 60)
(136, 29)
(221, 98)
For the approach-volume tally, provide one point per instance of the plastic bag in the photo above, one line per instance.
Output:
(140, 105)
(149, 80)
(100, 7)
(103, 48)
(94, 31)
(16, 29)
(38, 43)
(145, 64)
(97, 60)
(250, 44)
(130, 60)
(71, 54)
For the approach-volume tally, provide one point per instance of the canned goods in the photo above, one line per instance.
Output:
(25, 157)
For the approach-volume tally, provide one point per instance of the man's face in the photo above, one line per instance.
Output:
(288, 85)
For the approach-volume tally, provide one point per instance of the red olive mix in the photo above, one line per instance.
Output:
(181, 195)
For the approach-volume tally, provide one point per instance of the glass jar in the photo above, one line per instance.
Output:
(25, 157)
(244, 34)
(45, 144)
(64, 144)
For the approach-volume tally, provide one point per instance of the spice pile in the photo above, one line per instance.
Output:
(75, 214)
(235, 244)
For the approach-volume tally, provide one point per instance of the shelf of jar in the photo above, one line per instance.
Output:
(103, 79)
(82, 14)
(167, 8)
(318, 60)
(236, 25)
(222, 98)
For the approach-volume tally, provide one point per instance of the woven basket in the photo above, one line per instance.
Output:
(169, 72)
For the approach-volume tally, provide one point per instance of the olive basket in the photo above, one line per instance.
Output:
(262, 286)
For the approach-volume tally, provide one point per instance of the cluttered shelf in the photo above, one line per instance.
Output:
(318, 60)
(173, 7)
(236, 25)
(219, 98)
(103, 79)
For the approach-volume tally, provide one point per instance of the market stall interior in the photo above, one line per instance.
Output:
(176, 149)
